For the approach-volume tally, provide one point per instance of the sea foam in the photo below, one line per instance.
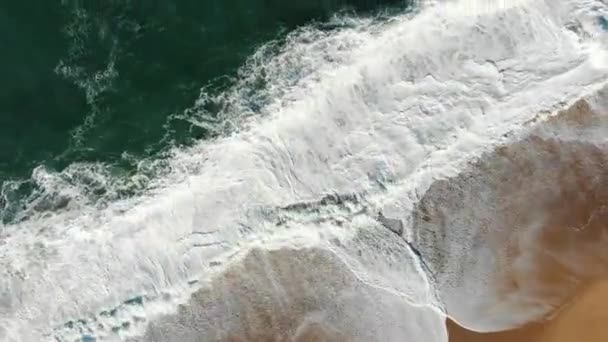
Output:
(375, 108)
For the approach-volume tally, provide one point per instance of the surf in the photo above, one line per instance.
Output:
(376, 108)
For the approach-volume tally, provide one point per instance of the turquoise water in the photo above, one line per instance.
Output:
(110, 81)
(603, 22)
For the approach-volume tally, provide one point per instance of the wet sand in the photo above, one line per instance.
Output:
(563, 266)
(295, 295)
(584, 319)
(519, 232)
(520, 236)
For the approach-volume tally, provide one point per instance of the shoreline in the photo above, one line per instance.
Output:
(308, 294)
(581, 319)
(569, 264)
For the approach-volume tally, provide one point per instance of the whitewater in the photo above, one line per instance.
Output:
(356, 121)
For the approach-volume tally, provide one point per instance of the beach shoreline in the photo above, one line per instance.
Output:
(581, 319)
(309, 294)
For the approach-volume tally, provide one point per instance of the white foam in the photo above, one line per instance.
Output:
(381, 109)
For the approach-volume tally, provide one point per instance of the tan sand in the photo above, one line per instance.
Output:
(530, 333)
(524, 227)
(558, 274)
(584, 319)
(567, 260)
(558, 186)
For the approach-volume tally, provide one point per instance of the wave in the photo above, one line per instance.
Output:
(261, 80)
(380, 109)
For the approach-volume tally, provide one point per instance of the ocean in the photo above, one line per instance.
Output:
(93, 89)
(158, 158)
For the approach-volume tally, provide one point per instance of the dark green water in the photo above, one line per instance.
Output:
(93, 80)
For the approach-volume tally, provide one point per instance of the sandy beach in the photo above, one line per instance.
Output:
(516, 244)
(583, 319)
(536, 210)
(565, 261)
